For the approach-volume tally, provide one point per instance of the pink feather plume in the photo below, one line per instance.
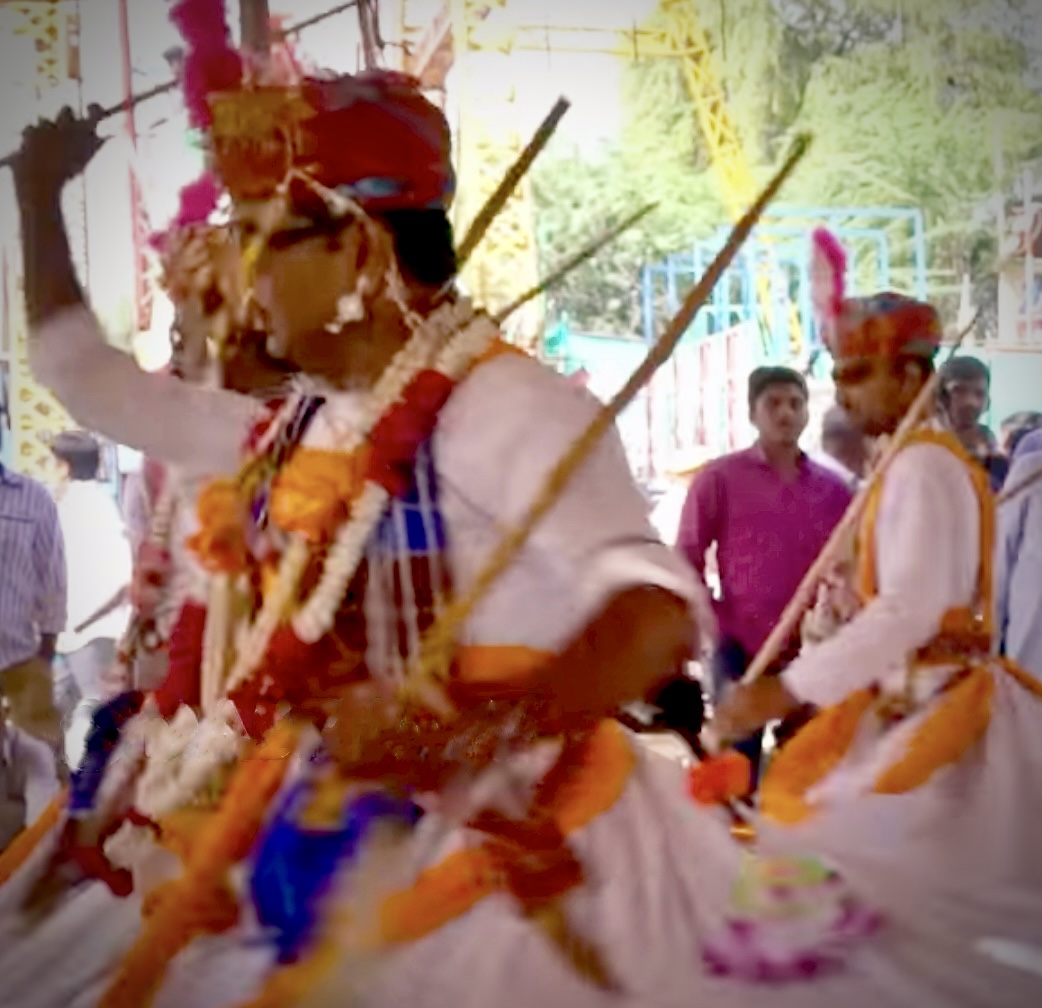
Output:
(211, 62)
(828, 268)
(198, 200)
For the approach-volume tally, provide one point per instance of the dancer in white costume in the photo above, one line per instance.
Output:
(919, 776)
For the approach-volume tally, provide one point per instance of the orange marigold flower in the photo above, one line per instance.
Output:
(220, 543)
(312, 494)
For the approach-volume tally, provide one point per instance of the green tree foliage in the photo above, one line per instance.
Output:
(929, 105)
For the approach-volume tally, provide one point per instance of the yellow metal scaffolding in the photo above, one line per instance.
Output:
(50, 29)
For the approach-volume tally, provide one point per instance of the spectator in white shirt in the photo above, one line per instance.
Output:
(32, 602)
(28, 780)
(99, 569)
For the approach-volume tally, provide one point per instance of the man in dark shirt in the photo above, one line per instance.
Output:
(965, 391)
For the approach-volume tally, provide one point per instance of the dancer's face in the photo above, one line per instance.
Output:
(875, 392)
(302, 272)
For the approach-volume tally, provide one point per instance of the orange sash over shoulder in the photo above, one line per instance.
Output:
(959, 718)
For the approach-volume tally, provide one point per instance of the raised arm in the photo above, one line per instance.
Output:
(104, 390)
(200, 430)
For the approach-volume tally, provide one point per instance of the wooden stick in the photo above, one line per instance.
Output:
(573, 262)
(423, 680)
(506, 187)
(170, 85)
(787, 624)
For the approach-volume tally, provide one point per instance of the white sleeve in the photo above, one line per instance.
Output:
(499, 437)
(928, 532)
(199, 429)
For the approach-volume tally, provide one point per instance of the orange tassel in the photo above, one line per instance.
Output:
(19, 849)
(810, 756)
(721, 779)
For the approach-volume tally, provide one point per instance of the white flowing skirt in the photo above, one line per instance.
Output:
(956, 864)
(660, 873)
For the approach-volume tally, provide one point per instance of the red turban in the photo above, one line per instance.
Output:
(886, 325)
(373, 136)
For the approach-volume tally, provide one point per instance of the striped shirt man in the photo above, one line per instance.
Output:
(32, 571)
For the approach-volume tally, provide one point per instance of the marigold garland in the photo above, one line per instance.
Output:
(957, 722)
(220, 543)
(313, 491)
(810, 756)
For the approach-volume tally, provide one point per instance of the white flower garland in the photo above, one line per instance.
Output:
(315, 616)
(350, 540)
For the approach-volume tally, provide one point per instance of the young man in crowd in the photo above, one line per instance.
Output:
(769, 510)
(964, 397)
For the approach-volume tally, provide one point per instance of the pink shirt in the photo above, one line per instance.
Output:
(768, 529)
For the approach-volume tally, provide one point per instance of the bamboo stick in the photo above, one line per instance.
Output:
(573, 262)
(495, 203)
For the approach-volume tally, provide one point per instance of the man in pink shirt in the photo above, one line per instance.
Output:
(768, 510)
